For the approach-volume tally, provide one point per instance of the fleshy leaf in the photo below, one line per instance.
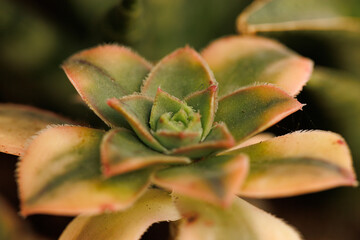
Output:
(122, 152)
(297, 163)
(173, 122)
(205, 102)
(239, 61)
(60, 173)
(18, 123)
(290, 15)
(136, 110)
(202, 221)
(214, 180)
(251, 110)
(153, 207)
(179, 74)
(104, 72)
(219, 138)
(337, 93)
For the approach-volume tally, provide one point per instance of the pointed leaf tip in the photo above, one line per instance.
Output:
(180, 73)
(297, 163)
(104, 72)
(18, 123)
(249, 111)
(239, 61)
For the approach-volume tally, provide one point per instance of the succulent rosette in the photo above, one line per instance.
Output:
(189, 126)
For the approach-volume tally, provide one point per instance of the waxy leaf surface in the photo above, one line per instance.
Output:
(290, 15)
(136, 110)
(19, 123)
(105, 72)
(202, 221)
(239, 61)
(218, 139)
(251, 110)
(155, 206)
(122, 151)
(205, 102)
(297, 163)
(60, 173)
(214, 180)
(338, 94)
(179, 74)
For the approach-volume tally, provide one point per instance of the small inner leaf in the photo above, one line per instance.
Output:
(218, 139)
(122, 152)
(136, 110)
(173, 122)
(205, 102)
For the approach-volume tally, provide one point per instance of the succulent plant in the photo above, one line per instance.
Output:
(191, 125)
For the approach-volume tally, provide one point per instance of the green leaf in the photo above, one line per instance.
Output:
(105, 72)
(214, 180)
(239, 61)
(297, 163)
(60, 174)
(179, 74)
(136, 110)
(205, 102)
(289, 15)
(122, 152)
(251, 110)
(18, 123)
(155, 206)
(173, 122)
(219, 138)
(202, 221)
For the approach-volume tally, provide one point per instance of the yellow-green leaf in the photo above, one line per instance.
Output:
(155, 206)
(290, 15)
(218, 139)
(136, 110)
(214, 180)
(239, 61)
(105, 72)
(60, 173)
(122, 151)
(202, 221)
(181, 73)
(205, 102)
(338, 95)
(18, 123)
(297, 163)
(251, 110)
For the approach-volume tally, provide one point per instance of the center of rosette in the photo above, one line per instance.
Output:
(173, 123)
